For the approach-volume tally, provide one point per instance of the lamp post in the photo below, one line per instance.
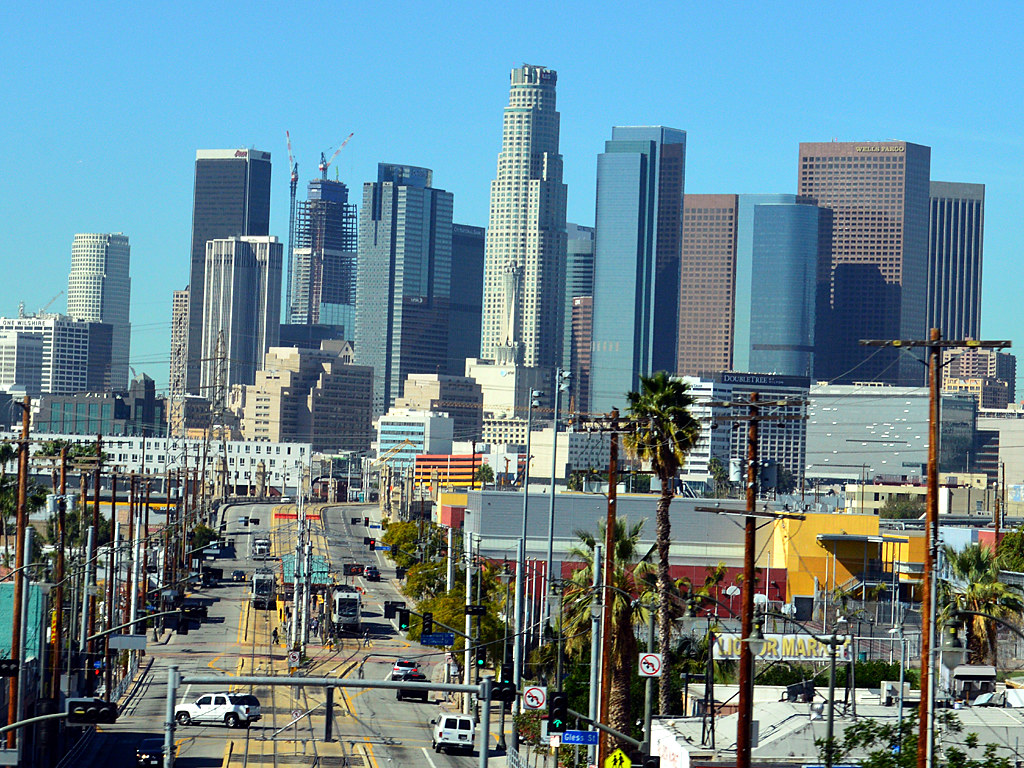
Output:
(506, 578)
(561, 385)
(518, 647)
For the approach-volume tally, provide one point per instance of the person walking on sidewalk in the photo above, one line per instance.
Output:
(366, 639)
(275, 636)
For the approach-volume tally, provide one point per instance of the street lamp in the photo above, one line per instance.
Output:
(518, 648)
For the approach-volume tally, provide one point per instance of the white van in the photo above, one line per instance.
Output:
(453, 731)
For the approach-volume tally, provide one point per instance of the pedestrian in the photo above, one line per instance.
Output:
(366, 639)
(275, 635)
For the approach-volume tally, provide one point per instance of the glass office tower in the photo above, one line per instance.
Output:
(640, 180)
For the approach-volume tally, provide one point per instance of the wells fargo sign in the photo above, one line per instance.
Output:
(796, 647)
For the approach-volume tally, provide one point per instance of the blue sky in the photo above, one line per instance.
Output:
(104, 106)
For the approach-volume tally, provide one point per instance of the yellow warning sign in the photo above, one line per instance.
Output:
(618, 759)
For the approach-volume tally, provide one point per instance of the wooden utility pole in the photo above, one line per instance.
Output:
(934, 346)
(108, 680)
(608, 580)
(745, 715)
(19, 562)
(92, 555)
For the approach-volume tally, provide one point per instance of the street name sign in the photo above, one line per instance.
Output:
(438, 638)
(581, 737)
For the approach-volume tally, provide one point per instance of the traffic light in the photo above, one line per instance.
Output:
(428, 624)
(91, 711)
(8, 667)
(403, 619)
(503, 691)
(480, 656)
(558, 712)
(373, 545)
(399, 572)
(366, 521)
(652, 761)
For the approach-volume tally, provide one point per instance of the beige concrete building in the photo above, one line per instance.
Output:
(458, 396)
(314, 396)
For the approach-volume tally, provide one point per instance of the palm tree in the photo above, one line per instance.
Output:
(630, 590)
(975, 586)
(8, 453)
(665, 431)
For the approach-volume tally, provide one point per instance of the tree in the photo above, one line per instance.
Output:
(8, 453)
(1011, 550)
(719, 478)
(484, 474)
(664, 432)
(893, 746)
(631, 579)
(202, 535)
(902, 509)
(402, 537)
(976, 586)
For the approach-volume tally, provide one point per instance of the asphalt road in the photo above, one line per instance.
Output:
(370, 727)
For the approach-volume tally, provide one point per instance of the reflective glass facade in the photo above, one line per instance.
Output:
(640, 180)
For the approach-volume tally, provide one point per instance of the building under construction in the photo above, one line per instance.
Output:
(323, 262)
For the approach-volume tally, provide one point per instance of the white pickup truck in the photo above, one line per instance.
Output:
(232, 709)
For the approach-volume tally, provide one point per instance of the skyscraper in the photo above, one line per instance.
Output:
(322, 278)
(640, 178)
(955, 238)
(242, 305)
(231, 199)
(526, 243)
(467, 296)
(877, 286)
(579, 281)
(403, 278)
(706, 285)
(99, 291)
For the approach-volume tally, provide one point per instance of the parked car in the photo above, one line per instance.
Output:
(423, 694)
(150, 752)
(402, 668)
(238, 575)
(371, 573)
(232, 709)
(453, 731)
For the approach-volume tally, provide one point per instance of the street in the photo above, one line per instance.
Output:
(369, 727)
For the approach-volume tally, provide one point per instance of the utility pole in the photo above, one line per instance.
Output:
(58, 592)
(934, 346)
(98, 468)
(108, 679)
(19, 561)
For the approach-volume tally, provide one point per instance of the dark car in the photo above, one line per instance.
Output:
(238, 575)
(371, 573)
(422, 694)
(150, 752)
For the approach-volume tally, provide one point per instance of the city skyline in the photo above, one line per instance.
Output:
(746, 141)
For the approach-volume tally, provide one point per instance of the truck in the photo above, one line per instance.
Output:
(264, 584)
(261, 546)
(346, 609)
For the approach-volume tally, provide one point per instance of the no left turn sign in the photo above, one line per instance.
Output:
(650, 665)
(535, 697)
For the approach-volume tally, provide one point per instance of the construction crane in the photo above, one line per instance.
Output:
(325, 163)
(291, 220)
(46, 306)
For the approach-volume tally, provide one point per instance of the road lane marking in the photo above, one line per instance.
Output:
(430, 760)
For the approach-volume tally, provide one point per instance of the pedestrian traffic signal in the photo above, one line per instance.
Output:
(652, 761)
(428, 624)
(558, 712)
(8, 667)
(366, 521)
(481, 656)
(373, 545)
(91, 711)
(403, 619)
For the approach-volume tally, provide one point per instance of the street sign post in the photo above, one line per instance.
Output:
(581, 737)
(383, 547)
(650, 665)
(535, 697)
(438, 638)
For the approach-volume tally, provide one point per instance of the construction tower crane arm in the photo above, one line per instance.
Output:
(325, 164)
(385, 457)
(292, 166)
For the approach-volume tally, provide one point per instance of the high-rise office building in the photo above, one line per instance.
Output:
(231, 199)
(525, 252)
(956, 233)
(99, 291)
(241, 310)
(179, 363)
(403, 278)
(467, 296)
(781, 301)
(322, 272)
(582, 343)
(76, 354)
(579, 281)
(706, 293)
(21, 362)
(640, 179)
(877, 287)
